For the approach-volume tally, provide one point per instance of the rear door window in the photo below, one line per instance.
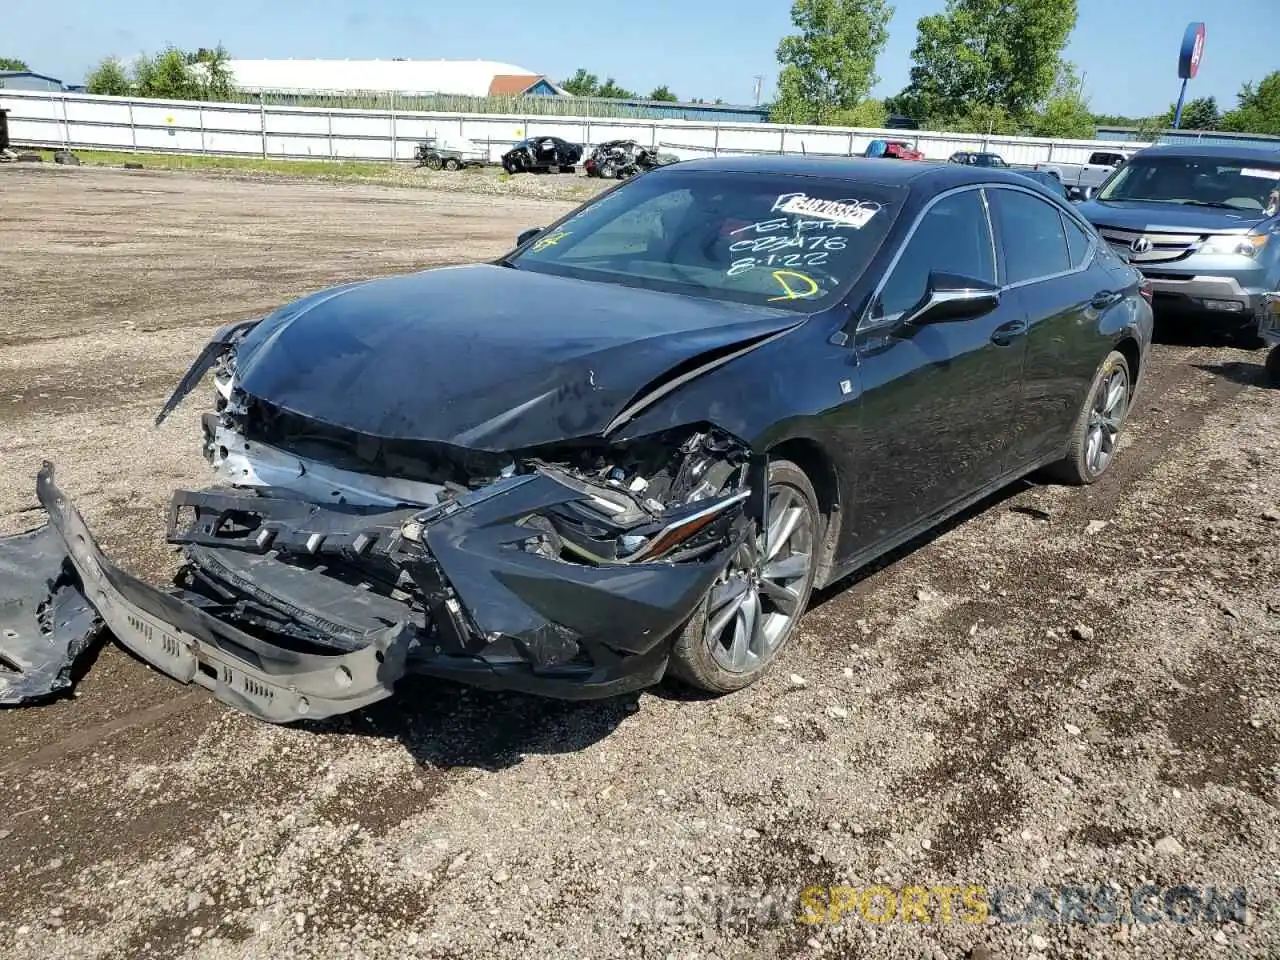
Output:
(1032, 236)
(1078, 241)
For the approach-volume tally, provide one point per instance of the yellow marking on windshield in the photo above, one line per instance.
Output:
(548, 241)
(792, 293)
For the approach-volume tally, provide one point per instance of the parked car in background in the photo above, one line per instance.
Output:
(893, 149)
(1202, 223)
(635, 443)
(542, 154)
(979, 159)
(620, 159)
(1046, 180)
(444, 153)
(1082, 179)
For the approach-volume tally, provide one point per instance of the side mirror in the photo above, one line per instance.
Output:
(527, 235)
(950, 297)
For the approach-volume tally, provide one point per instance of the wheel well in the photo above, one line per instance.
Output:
(1128, 347)
(817, 466)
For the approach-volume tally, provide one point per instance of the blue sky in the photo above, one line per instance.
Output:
(701, 48)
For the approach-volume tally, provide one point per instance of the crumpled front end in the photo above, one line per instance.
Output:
(328, 564)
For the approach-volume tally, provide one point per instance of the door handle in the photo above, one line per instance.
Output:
(1006, 333)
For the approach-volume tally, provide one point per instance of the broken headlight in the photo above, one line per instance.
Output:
(660, 498)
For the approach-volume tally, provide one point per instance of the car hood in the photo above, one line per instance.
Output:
(1159, 217)
(486, 357)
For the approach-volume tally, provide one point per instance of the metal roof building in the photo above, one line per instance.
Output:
(474, 78)
(28, 80)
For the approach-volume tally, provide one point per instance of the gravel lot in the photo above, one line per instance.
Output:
(1065, 687)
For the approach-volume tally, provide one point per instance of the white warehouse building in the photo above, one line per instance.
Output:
(475, 78)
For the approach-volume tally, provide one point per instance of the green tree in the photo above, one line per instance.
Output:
(997, 54)
(1199, 114)
(582, 84)
(172, 74)
(867, 114)
(980, 118)
(829, 66)
(167, 75)
(12, 63)
(664, 94)
(1257, 108)
(213, 72)
(612, 91)
(109, 79)
(1066, 112)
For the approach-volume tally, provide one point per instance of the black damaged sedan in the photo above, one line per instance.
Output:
(633, 445)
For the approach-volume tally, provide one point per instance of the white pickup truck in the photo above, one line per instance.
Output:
(1083, 179)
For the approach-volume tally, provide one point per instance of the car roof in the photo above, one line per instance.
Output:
(915, 174)
(1212, 152)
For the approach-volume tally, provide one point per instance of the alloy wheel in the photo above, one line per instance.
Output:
(753, 607)
(1106, 417)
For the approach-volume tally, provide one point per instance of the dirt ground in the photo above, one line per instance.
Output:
(1066, 687)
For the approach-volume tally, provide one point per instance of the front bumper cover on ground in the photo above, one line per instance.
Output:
(181, 640)
(493, 615)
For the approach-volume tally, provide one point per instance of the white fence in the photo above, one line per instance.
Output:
(82, 121)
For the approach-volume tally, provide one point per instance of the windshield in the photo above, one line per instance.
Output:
(798, 243)
(1198, 181)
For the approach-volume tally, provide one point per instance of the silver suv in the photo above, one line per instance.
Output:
(1202, 223)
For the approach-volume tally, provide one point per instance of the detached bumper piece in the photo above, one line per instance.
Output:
(45, 621)
(267, 681)
(289, 610)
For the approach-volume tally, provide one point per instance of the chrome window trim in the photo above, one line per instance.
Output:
(865, 322)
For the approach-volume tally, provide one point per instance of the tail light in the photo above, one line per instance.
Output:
(1144, 288)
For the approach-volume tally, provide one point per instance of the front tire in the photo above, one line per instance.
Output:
(1273, 367)
(751, 611)
(1095, 435)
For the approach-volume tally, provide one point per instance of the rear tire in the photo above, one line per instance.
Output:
(608, 171)
(1095, 435)
(750, 613)
(433, 162)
